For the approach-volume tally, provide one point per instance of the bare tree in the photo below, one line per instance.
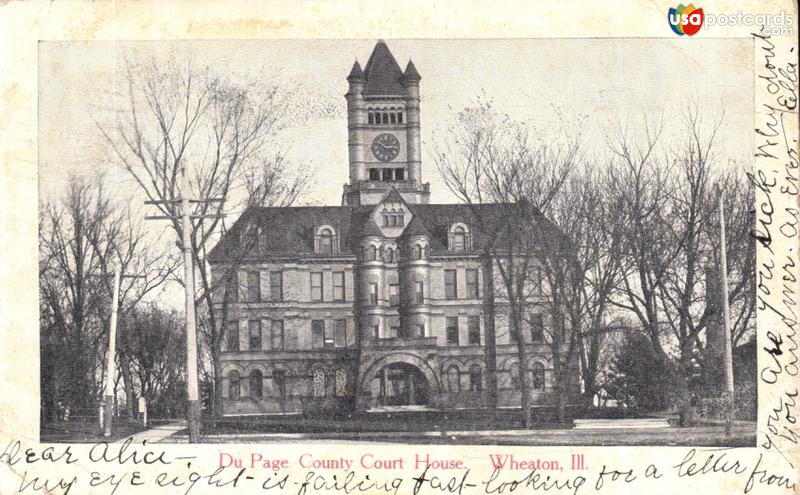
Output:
(506, 177)
(222, 132)
(82, 237)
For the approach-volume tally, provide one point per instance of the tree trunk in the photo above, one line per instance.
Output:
(127, 380)
(684, 402)
(489, 334)
(522, 356)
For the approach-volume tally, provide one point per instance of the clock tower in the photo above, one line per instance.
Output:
(383, 131)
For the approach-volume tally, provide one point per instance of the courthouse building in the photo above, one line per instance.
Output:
(374, 303)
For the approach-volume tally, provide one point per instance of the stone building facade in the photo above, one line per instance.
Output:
(375, 303)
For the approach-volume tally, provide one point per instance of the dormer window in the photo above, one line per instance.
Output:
(459, 238)
(326, 241)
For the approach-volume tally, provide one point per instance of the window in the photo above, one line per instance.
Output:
(385, 118)
(390, 255)
(254, 327)
(400, 117)
(232, 287)
(372, 253)
(537, 373)
(418, 251)
(317, 333)
(276, 335)
(472, 283)
(233, 336)
(452, 330)
(394, 294)
(475, 378)
(376, 332)
(234, 387)
(338, 286)
(393, 118)
(537, 328)
(459, 239)
(394, 332)
(419, 293)
(276, 286)
(450, 285)
(453, 379)
(399, 173)
(316, 286)
(340, 333)
(319, 383)
(420, 330)
(279, 382)
(373, 294)
(256, 385)
(341, 383)
(386, 174)
(328, 336)
(514, 374)
(374, 174)
(370, 118)
(254, 287)
(474, 325)
(326, 241)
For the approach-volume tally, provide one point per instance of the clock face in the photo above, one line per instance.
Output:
(385, 147)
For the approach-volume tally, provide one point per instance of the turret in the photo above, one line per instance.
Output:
(356, 118)
(411, 80)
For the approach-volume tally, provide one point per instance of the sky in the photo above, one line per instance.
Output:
(540, 81)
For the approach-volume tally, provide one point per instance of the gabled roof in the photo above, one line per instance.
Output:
(289, 232)
(384, 76)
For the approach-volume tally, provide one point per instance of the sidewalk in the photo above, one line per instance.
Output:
(159, 433)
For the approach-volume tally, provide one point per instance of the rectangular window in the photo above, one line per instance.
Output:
(420, 330)
(340, 333)
(317, 333)
(394, 294)
(393, 118)
(400, 118)
(254, 327)
(373, 294)
(371, 118)
(537, 328)
(472, 283)
(276, 335)
(399, 173)
(376, 332)
(338, 286)
(276, 286)
(474, 325)
(452, 330)
(400, 220)
(537, 280)
(450, 286)
(253, 286)
(316, 286)
(374, 174)
(232, 336)
(419, 294)
(329, 334)
(387, 174)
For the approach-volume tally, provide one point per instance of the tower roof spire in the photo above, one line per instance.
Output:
(411, 73)
(383, 74)
(356, 73)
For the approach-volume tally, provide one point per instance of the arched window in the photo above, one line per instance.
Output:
(418, 251)
(326, 241)
(390, 255)
(256, 385)
(341, 382)
(475, 378)
(319, 383)
(234, 387)
(514, 374)
(372, 253)
(453, 379)
(537, 373)
(459, 239)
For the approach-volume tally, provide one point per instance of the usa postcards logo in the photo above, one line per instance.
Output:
(685, 19)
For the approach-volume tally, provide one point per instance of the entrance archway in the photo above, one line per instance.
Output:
(401, 384)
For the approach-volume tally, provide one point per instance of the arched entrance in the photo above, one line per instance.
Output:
(400, 384)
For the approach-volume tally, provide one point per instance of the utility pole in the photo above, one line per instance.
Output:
(112, 351)
(726, 318)
(108, 402)
(192, 390)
